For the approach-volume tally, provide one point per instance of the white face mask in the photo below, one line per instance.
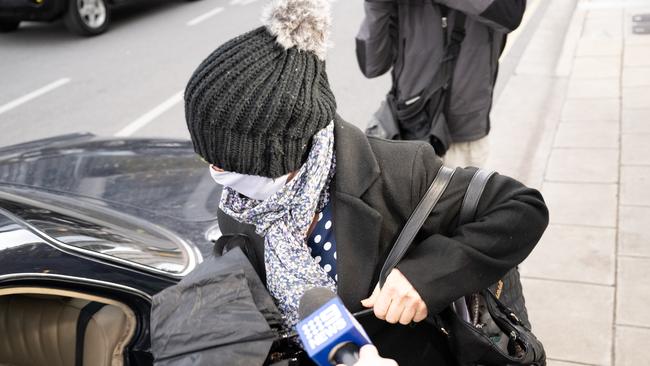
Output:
(251, 186)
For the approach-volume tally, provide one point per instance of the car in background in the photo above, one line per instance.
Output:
(90, 230)
(83, 17)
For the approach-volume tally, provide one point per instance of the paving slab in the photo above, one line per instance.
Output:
(591, 110)
(605, 14)
(636, 98)
(574, 253)
(594, 88)
(635, 181)
(600, 67)
(574, 321)
(634, 231)
(587, 135)
(636, 149)
(632, 346)
(586, 204)
(603, 28)
(633, 295)
(636, 39)
(583, 165)
(636, 121)
(636, 76)
(636, 55)
(599, 47)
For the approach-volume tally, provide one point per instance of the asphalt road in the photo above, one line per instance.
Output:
(129, 81)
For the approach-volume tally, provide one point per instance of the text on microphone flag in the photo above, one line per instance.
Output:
(324, 325)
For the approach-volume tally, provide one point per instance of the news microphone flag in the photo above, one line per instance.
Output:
(327, 329)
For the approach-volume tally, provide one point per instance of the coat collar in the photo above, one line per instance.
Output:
(355, 160)
(356, 224)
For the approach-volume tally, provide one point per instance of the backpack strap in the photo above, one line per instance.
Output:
(416, 220)
(452, 46)
(444, 76)
(458, 32)
(473, 195)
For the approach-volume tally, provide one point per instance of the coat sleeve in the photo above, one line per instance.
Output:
(376, 41)
(448, 261)
(502, 15)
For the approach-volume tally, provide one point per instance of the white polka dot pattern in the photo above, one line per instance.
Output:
(322, 242)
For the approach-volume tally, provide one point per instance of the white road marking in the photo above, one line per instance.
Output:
(205, 16)
(139, 123)
(35, 94)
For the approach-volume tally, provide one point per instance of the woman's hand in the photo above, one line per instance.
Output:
(368, 356)
(397, 301)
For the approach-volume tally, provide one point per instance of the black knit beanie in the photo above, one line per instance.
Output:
(254, 104)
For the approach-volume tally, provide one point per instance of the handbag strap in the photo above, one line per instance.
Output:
(416, 220)
(473, 195)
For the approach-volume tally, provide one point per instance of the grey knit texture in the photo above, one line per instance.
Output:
(252, 106)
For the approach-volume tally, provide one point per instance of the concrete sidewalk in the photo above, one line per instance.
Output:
(576, 123)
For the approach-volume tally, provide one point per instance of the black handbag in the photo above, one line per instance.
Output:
(508, 289)
(480, 328)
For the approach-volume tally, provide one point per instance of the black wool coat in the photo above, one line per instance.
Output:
(377, 185)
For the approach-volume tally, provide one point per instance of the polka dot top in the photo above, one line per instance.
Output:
(322, 243)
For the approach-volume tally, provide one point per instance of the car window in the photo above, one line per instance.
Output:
(104, 232)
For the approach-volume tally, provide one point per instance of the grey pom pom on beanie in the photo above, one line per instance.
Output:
(253, 105)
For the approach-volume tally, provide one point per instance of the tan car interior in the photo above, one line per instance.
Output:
(38, 327)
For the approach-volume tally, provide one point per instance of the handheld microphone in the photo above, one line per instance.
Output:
(329, 333)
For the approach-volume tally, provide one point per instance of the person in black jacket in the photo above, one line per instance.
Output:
(322, 203)
(411, 37)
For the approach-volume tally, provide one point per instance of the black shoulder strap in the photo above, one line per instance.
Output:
(473, 195)
(457, 33)
(85, 315)
(454, 43)
(416, 220)
(452, 50)
(444, 76)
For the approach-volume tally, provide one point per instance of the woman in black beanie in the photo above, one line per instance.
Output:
(323, 203)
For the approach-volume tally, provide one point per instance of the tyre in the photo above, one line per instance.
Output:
(8, 25)
(87, 17)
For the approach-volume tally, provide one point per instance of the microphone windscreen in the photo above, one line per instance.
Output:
(313, 299)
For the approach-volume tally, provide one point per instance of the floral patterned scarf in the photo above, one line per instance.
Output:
(284, 219)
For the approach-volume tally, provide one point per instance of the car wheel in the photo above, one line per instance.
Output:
(87, 17)
(8, 25)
